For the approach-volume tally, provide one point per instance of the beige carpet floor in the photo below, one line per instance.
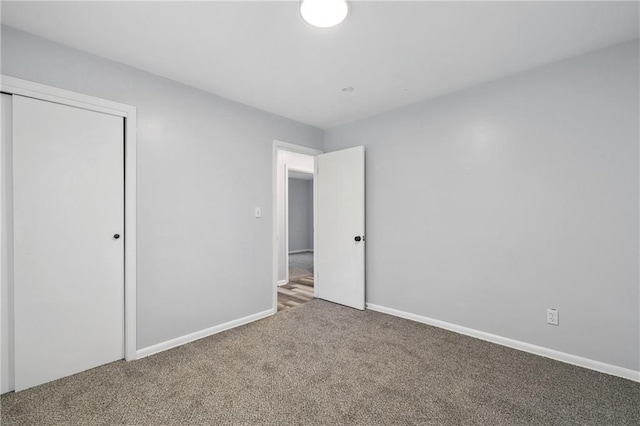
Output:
(326, 364)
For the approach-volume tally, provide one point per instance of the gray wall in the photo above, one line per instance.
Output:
(204, 164)
(300, 214)
(487, 206)
(484, 207)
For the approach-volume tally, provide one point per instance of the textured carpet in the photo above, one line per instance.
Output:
(300, 265)
(322, 363)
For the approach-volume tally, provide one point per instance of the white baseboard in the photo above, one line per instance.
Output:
(179, 341)
(301, 251)
(282, 282)
(591, 364)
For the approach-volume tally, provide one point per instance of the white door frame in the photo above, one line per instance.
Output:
(286, 146)
(285, 194)
(16, 86)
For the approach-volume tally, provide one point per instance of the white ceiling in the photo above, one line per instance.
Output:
(392, 53)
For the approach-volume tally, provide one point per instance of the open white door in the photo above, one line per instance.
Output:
(68, 195)
(340, 227)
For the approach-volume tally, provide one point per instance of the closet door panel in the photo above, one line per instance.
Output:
(69, 267)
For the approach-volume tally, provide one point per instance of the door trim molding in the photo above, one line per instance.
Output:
(17, 86)
(286, 220)
(279, 145)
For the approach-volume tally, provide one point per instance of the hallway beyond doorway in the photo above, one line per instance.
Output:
(299, 289)
(300, 265)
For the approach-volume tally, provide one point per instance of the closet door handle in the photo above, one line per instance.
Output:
(116, 236)
(358, 238)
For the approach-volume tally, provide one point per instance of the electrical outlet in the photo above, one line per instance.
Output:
(552, 316)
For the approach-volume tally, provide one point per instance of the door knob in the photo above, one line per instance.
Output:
(116, 236)
(358, 238)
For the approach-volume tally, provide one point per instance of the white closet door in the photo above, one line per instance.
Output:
(68, 182)
(340, 227)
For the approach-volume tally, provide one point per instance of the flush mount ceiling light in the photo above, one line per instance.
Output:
(324, 13)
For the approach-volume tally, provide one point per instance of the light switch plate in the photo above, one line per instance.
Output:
(258, 212)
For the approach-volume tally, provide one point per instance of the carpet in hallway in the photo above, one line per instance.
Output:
(300, 265)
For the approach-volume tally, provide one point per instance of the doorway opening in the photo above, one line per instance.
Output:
(338, 222)
(294, 250)
(299, 235)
